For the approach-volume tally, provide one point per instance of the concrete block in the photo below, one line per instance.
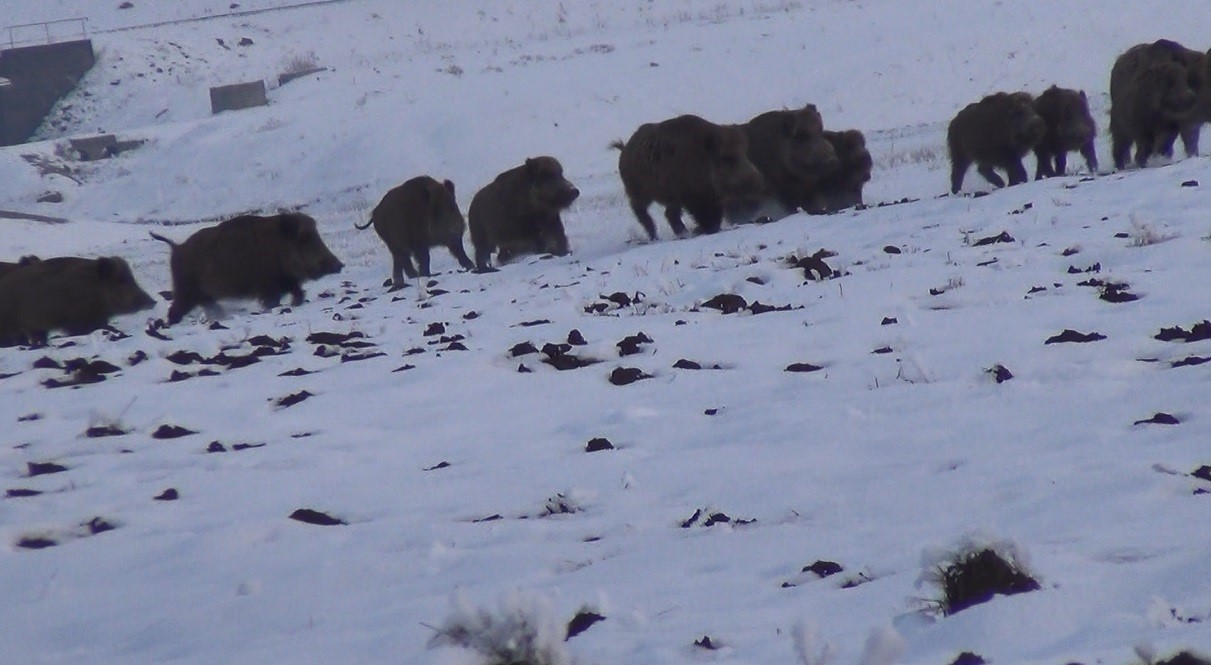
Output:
(92, 148)
(237, 96)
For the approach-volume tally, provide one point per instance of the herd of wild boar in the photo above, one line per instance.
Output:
(775, 164)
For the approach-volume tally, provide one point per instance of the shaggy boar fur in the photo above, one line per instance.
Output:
(6, 267)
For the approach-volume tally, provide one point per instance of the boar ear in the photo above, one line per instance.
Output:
(1083, 97)
(531, 166)
(449, 186)
(289, 225)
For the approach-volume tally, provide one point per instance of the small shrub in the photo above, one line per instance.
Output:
(975, 572)
(520, 631)
(300, 63)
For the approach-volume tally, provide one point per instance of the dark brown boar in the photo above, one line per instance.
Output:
(249, 256)
(686, 163)
(76, 295)
(1151, 88)
(995, 132)
(843, 188)
(415, 216)
(1070, 127)
(790, 151)
(1148, 108)
(7, 267)
(519, 213)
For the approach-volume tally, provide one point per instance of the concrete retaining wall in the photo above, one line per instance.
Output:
(40, 76)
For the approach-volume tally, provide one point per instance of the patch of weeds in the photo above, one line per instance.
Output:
(975, 574)
(521, 629)
(1143, 234)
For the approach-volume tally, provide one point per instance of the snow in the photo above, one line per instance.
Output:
(882, 462)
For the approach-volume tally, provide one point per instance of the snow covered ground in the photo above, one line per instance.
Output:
(901, 445)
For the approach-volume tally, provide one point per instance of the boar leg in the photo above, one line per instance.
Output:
(958, 169)
(456, 249)
(296, 294)
(673, 215)
(1042, 167)
(184, 299)
(640, 208)
(1016, 171)
(400, 263)
(1164, 143)
(1120, 146)
(270, 298)
(990, 175)
(1143, 150)
(709, 217)
(1190, 138)
(1090, 155)
(483, 258)
(422, 260)
(403, 262)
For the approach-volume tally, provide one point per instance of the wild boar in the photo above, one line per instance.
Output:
(415, 216)
(791, 153)
(843, 187)
(249, 256)
(1154, 98)
(76, 295)
(519, 213)
(687, 163)
(1070, 127)
(995, 132)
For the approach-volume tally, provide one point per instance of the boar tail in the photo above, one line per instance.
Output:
(359, 227)
(163, 239)
(617, 144)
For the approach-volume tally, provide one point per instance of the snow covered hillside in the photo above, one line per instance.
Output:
(931, 394)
